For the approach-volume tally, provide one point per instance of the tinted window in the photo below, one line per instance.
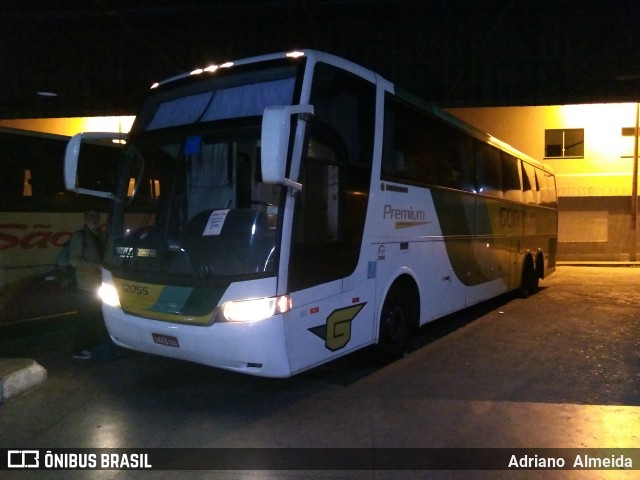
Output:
(530, 186)
(511, 177)
(421, 149)
(489, 169)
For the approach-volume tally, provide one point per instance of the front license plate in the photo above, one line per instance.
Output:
(166, 340)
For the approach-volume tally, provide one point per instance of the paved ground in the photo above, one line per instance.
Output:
(560, 369)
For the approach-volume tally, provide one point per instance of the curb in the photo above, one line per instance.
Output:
(19, 375)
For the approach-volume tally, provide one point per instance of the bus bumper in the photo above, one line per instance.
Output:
(256, 348)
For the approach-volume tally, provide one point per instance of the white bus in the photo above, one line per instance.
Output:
(297, 207)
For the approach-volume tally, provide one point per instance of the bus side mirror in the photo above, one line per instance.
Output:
(90, 142)
(276, 125)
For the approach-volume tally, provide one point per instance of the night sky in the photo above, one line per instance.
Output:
(101, 56)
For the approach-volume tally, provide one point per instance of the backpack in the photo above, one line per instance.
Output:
(62, 259)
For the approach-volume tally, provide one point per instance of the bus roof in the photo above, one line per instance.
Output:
(405, 95)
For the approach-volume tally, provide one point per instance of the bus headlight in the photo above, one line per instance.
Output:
(255, 309)
(109, 295)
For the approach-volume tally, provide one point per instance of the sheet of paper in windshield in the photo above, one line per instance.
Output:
(215, 222)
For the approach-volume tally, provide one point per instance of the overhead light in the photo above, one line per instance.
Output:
(295, 54)
(226, 65)
(197, 71)
(47, 94)
(211, 68)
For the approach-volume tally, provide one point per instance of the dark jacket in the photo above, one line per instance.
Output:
(85, 257)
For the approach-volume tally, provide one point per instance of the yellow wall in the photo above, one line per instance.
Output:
(71, 126)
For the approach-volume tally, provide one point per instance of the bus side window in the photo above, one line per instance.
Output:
(389, 151)
(488, 169)
(547, 188)
(531, 193)
(421, 149)
(346, 103)
(551, 189)
(511, 178)
(541, 185)
(404, 155)
(402, 159)
(464, 166)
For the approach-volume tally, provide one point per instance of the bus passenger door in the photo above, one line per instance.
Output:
(326, 281)
(327, 234)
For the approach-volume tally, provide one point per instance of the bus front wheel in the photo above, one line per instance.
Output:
(398, 320)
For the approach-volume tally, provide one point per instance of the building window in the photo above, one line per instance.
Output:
(564, 143)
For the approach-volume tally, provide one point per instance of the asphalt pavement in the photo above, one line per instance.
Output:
(559, 370)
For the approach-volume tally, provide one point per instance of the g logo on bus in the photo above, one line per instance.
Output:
(336, 332)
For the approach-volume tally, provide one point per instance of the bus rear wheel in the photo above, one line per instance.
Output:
(398, 320)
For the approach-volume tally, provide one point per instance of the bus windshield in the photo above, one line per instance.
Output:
(190, 206)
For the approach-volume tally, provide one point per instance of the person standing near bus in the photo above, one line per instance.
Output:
(85, 256)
